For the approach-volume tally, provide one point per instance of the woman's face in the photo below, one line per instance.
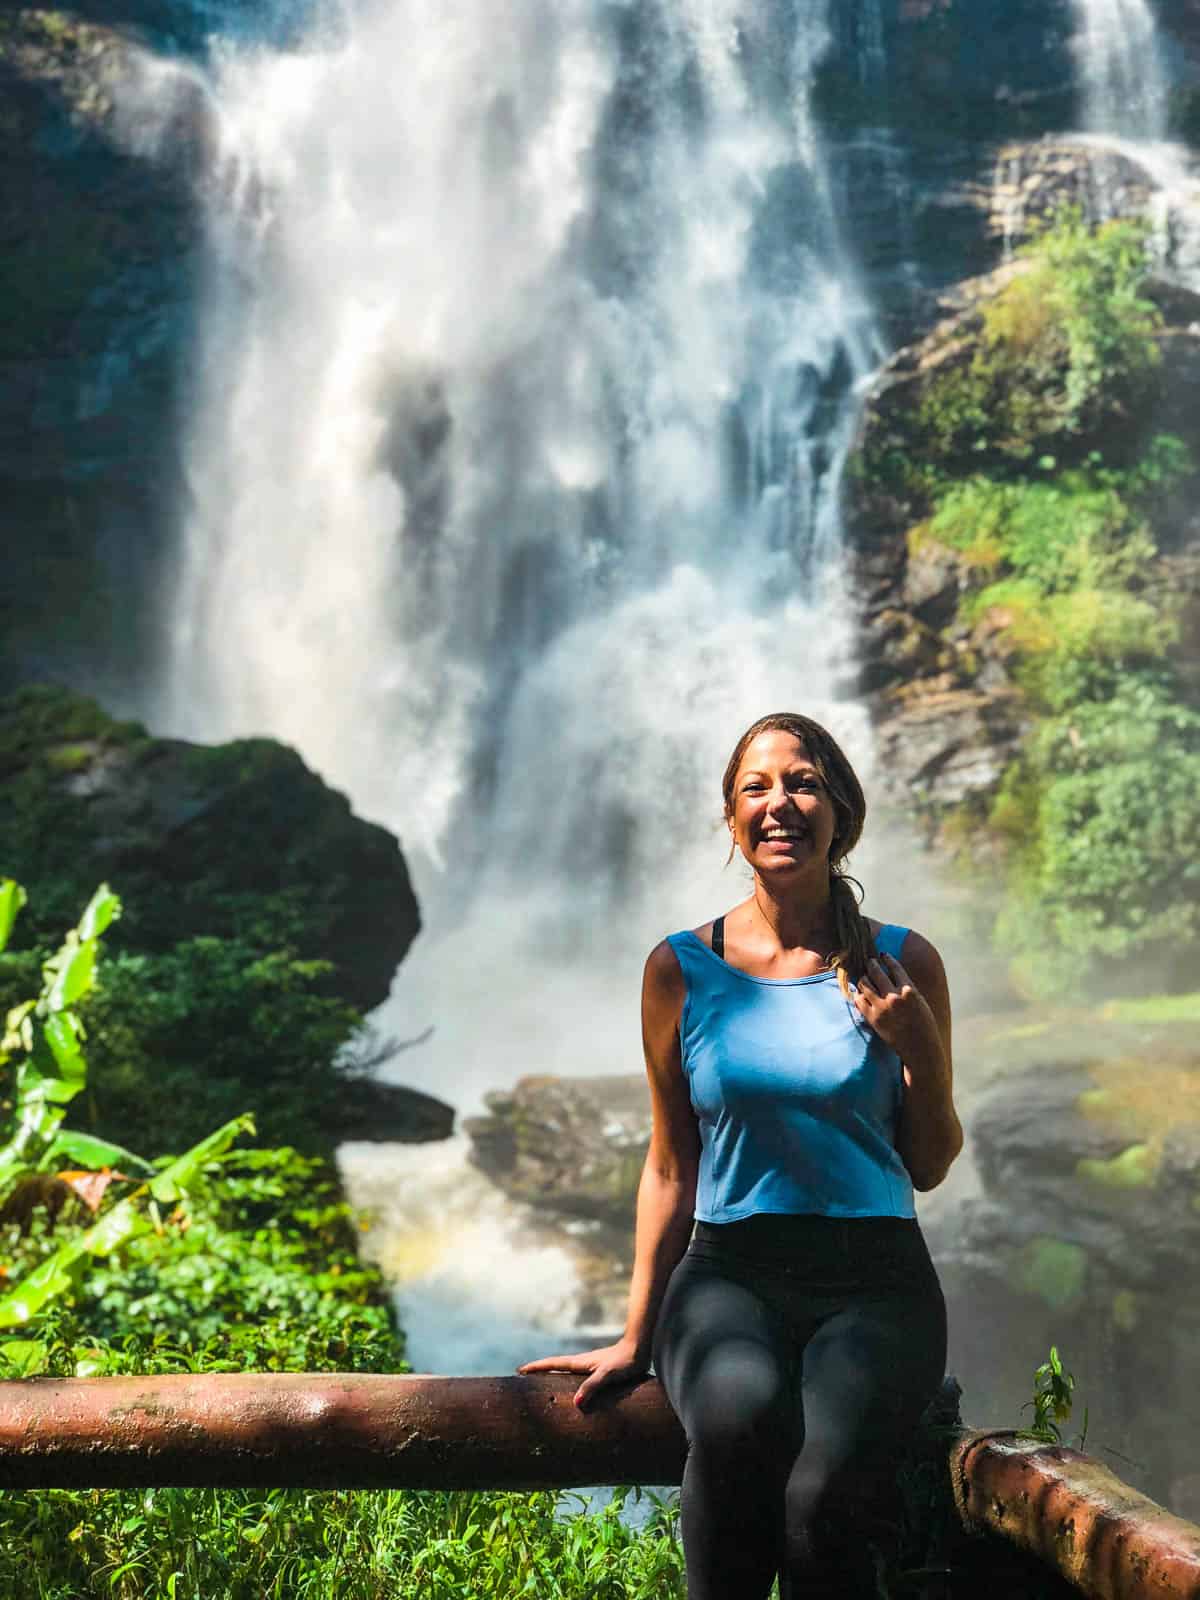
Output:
(783, 819)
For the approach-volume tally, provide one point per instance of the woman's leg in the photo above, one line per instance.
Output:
(869, 1370)
(722, 1360)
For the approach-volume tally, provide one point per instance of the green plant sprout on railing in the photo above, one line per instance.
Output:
(1052, 1400)
(42, 1048)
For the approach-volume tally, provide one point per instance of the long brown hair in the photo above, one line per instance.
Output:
(851, 931)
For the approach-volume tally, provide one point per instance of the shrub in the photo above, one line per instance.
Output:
(1102, 815)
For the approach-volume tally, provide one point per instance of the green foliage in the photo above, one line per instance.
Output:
(1053, 1391)
(267, 1264)
(41, 1050)
(132, 1218)
(1102, 816)
(1056, 544)
(1063, 533)
(1068, 344)
(193, 1036)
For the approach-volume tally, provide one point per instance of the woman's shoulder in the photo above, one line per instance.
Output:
(906, 945)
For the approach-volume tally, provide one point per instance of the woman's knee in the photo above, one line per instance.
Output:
(739, 1403)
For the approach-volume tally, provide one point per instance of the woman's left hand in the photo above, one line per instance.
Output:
(891, 1003)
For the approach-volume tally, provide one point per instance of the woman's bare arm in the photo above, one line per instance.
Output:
(666, 1194)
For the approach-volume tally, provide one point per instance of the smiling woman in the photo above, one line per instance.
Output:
(800, 1077)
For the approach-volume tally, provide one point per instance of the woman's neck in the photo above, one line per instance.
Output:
(799, 916)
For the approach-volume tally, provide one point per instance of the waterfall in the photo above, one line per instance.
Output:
(1122, 75)
(1124, 93)
(529, 363)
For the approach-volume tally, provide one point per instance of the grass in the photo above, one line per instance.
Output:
(207, 1544)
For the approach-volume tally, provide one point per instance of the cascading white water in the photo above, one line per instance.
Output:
(528, 368)
(1124, 104)
(1122, 77)
(527, 372)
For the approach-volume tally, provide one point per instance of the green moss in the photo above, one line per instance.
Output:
(1053, 1269)
(1135, 1168)
(1155, 1008)
(71, 757)
(1125, 1310)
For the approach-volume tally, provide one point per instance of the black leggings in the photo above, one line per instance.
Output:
(798, 1353)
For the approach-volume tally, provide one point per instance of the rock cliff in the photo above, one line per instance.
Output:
(237, 840)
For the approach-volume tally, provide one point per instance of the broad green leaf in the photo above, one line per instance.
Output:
(92, 1152)
(115, 1228)
(184, 1171)
(74, 968)
(55, 1276)
(12, 898)
(22, 1358)
(62, 1032)
(102, 909)
(60, 1090)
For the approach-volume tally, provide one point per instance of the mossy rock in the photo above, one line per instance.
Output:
(238, 840)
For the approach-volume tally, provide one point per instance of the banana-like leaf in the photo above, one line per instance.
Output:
(126, 1221)
(12, 898)
(103, 908)
(73, 970)
(92, 1152)
(62, 1030)
(55, 1276)
(184, 1172)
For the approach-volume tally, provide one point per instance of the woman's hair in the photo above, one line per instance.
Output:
(854, 943)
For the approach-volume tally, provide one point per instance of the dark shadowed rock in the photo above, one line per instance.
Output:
(235, 840)
(382, 1113)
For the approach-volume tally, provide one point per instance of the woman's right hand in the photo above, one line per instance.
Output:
(615, 1363)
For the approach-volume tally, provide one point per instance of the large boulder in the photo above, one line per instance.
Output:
(234, 840)
(572, 1146)
(571, 1149)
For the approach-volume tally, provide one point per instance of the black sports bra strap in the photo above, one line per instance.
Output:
(718, 937)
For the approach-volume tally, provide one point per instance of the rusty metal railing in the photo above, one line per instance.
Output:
(351, 1430)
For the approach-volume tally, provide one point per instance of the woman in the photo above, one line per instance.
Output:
(800, 1077)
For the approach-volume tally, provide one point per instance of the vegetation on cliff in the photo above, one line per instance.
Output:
(1030, 463)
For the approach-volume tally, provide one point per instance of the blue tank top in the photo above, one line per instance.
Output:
(796, 1097)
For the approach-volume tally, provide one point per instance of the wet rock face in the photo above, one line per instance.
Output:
(574, 1147)
(96, 257)
(1033, 181)
(1084, 1237)
(227, 840)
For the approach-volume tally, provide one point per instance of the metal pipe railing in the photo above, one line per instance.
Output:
(364, 1431)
